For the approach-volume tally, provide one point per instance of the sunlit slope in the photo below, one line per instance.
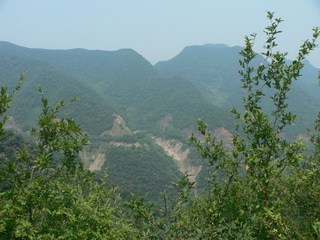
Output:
(131, 85)
(213, 69)
(91, 111)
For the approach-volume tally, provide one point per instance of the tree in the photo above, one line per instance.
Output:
(258, 171)
(265, 186)
(51, 195)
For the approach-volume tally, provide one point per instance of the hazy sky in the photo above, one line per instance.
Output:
(157, 29)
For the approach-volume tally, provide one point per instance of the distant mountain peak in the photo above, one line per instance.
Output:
(217, 45)
(207, 46)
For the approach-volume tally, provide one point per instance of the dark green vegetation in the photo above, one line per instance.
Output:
(48, 186)
(260, 184)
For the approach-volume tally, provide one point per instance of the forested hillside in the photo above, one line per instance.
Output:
(213, 69)
(157, 106)
(94, 114)
(128, 82)
(121, 97)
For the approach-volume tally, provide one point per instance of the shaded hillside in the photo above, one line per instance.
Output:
(176, 100)
(212, 68)
(308, 80)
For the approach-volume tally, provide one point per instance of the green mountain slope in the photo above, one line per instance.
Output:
(131, 85)
(177, 100)
(213, 69)
(91, 111)
(90, 66)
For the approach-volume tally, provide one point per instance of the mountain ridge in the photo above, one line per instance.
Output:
(159, 105)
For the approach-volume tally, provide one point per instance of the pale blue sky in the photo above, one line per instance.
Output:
(157, 29)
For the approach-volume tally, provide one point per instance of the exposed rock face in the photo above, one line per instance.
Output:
(224, 135)
(93, 161)
(174, 149)
(136, 144)
(119, 127)
(165, 122)
(11, 124)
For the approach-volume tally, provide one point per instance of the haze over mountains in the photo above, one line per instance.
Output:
(138, 116)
